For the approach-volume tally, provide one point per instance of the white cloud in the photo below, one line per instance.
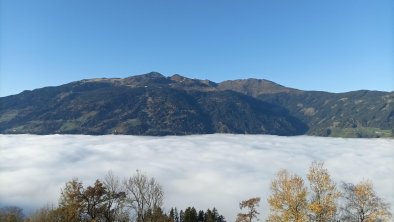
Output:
(201, 171)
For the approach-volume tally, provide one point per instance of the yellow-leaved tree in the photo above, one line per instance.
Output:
(288, 200)
(361, 204)
(323, 194)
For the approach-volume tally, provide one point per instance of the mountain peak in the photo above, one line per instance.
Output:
(255, 87)
(145, 79)
(178, 78)
(150, 75)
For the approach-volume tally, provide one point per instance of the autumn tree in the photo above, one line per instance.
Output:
(361, 204)
(143, 193)
(323, 194)
(94, 200)
(45, 214)
(11, 214)
(70, 203)
(288, 200)
(94, 203)
(250, 205)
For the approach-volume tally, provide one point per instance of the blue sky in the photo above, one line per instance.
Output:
(336, 45)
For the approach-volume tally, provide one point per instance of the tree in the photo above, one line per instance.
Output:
(94, 200)
(45, 214)
(70, 203)
(115, 199)
(201, 216)
(11, 214)
(174, 217)
(181, 216)
(221, 219)
(324, 194)
(156, 215)
(143, 194)
(172, 214)
(288, 200)
(215, 214)
(209, 216)
(251, 205)
(190, 215)
(95, 203)
(362, 204)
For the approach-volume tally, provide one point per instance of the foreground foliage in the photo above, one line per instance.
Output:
(362, 203)
(291, 201)
(140, 198)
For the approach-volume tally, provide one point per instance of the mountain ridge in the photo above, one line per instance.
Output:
(153, 104)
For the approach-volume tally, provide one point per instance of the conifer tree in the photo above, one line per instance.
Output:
(176, 215)
(181, 216)
(201, 217)
(172, 215)
(190, 215)
(209, 217)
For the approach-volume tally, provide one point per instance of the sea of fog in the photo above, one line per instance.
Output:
(203, 171)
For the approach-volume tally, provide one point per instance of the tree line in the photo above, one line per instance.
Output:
(140, 198)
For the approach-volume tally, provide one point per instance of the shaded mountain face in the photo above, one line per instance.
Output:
(152, 104)
(352, 114)
(148, 104)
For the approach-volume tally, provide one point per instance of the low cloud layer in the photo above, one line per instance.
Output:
(202, 171)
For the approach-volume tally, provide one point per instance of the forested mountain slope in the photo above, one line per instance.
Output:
(152, 104)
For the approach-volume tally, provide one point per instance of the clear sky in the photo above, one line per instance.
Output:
(336, 45)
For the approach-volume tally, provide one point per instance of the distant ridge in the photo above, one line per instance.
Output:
(152, 104)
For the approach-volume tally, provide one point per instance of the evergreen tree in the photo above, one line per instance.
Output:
(221, 219)
(176, 215)
(201, 217)
(181, 216)
(215, 214)
(209, 217)
(190, 215)
(172, 215)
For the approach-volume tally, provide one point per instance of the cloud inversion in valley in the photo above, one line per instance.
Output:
(202, 171)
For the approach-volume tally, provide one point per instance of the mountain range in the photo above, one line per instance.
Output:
(152, 104)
